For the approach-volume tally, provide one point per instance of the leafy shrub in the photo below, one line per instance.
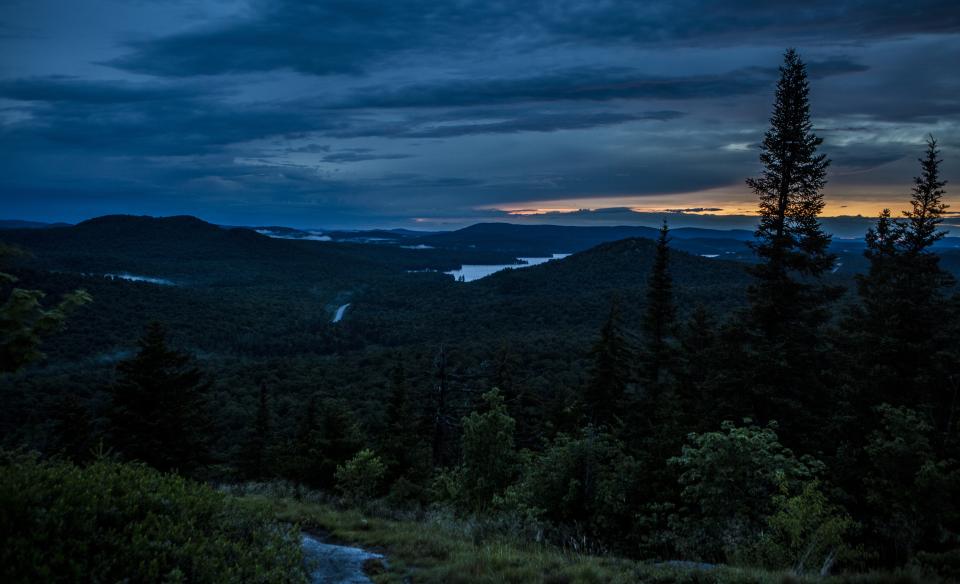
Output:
(729, 479)
(946, 565)
(806, 533)
(489, 458)
(112, 522)
(912, 491)
(581, 481)
(359, 478)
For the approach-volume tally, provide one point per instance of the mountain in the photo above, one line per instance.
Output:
(388, 236)
(189, 251)
(566, 298)
(544, 240)
(233, 290)
(532, 239)
(18, 224)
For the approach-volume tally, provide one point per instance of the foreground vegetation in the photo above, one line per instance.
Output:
(114, 522)
(438, 547)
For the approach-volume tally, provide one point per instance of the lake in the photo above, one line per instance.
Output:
(469, 273)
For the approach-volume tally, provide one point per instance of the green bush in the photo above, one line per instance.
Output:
(806, 533)
(581, 480)
(113, 522)
(489, 458)
(359, 478)
(728, 483)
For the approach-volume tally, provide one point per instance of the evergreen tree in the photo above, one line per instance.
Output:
(660, 313)
(441, 420)
(611, 374)
(878, 287)
(341, 436)
(786, 358)
(901, 326)
(327, 436)
(301, 454)
(927, 354)
(927, 206)
(924, 280)
(73, 428)
(255, 451)
(653, 424)
(157, 412)
(525, 406)
(790, 241)
(504, 367)
(400, 442)
(884, 241)
(871, 327)
(701, 409)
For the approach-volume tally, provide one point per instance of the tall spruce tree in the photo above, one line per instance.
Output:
(790, 241)
(301, 452)
(927, 206)
(661, 312)
(788, 299)
(400, 444)
(255, 452)
(611, 373)
(923, 314)
(902, 330)
(701, 409)
(870, 328)
(878, 287)
(158, 411)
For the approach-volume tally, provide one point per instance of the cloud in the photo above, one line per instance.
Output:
(364, 108)
(310, 149)
(490, 122)
(125, 119)
(579, 84)
(707, 23)
(584, 84)
(352, 36)
(334, 37)
(354, 156)
(73, 90)
(834, 66)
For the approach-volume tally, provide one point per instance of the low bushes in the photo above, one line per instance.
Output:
(112, 522)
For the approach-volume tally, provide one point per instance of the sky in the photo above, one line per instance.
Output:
(434, 114)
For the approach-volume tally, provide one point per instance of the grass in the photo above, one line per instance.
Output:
(436, 548)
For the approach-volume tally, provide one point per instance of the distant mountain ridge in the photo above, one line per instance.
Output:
(20, 224)
(180, 235)
(544, 240)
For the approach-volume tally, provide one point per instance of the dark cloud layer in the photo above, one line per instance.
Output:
(74, 91)
(585, 85)
(349, 36)
(367, 112)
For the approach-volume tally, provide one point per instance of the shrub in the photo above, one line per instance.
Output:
(489, 458)
(359, 478)
(729, 479)
(806, 533)
(583, 481)
(112, 522)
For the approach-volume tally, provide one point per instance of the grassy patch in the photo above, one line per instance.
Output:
(438, 549)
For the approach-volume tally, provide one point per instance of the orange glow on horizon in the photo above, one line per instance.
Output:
(863, 201)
